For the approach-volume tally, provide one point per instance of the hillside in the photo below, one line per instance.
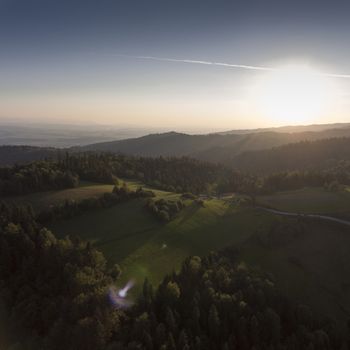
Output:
(304, 155)
(212, 147)
(216, 147)
(144, 247)
(309, 259)
(10, 155)
(61, 135)
(290, 128)
(289, 248)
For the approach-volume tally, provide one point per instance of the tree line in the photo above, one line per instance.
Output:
(165, 173)
(71, 208)
(182, 175)
(301, 156)
(331, 179)
(171, 174)
(35, 177)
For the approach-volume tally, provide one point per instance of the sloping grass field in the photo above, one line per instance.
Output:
(144, 247)
(309, 201)
(41, 200)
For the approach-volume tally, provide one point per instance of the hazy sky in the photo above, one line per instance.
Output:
(63, 61)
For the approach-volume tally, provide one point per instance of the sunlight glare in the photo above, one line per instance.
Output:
(295, 94)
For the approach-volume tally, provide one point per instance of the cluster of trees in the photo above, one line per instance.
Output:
(90, 166)
(165, 210)
(215, 303)
(238, 182)
(54, 289)
(71, 208)
(183, 175)
(298, 179)
(252, 185)
(306, 155)
(10, 155)
(171, 174)
(37, 176)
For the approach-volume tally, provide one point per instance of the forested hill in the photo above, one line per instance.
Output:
(211, 147)
(306, 155)
(218, 148)
(25, 154)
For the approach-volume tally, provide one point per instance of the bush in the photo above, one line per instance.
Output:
(165, 210)
(200, 202)
(188, 195)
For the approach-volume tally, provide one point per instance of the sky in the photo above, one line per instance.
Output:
(132, 63)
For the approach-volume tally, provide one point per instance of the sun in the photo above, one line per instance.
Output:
(294, 95)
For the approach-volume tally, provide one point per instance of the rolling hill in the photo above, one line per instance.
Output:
(10, 155)
(212, 147)
(320, 154)
(255, 150)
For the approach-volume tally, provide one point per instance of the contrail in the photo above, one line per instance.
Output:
(208, 63)
(227, 65)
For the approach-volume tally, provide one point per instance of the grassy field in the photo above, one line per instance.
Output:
(309, 200)
(129, 235)
(42, 200)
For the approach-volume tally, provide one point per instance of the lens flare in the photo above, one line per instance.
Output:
(118, 297)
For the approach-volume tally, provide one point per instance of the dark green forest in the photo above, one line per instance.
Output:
(171, 174)
(285, 168)
(35, 177)
(217, 303)
(332, 153)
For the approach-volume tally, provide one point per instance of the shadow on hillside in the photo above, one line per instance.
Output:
(188, 212)
(133, 241)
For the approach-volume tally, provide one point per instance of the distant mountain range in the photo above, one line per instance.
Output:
(290, 128)
(260, 150)
(10, 155)
(217, 147)
(64, 135)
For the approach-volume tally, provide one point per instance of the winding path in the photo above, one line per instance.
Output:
(317, 216)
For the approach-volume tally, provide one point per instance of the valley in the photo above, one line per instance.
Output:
(128, 235)
(114, 219)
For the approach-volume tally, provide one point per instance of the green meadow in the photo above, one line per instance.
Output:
(309, 200)
(41, 200)
(144, 247)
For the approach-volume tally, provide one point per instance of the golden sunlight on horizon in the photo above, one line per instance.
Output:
(288, 95)
(295, 95)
